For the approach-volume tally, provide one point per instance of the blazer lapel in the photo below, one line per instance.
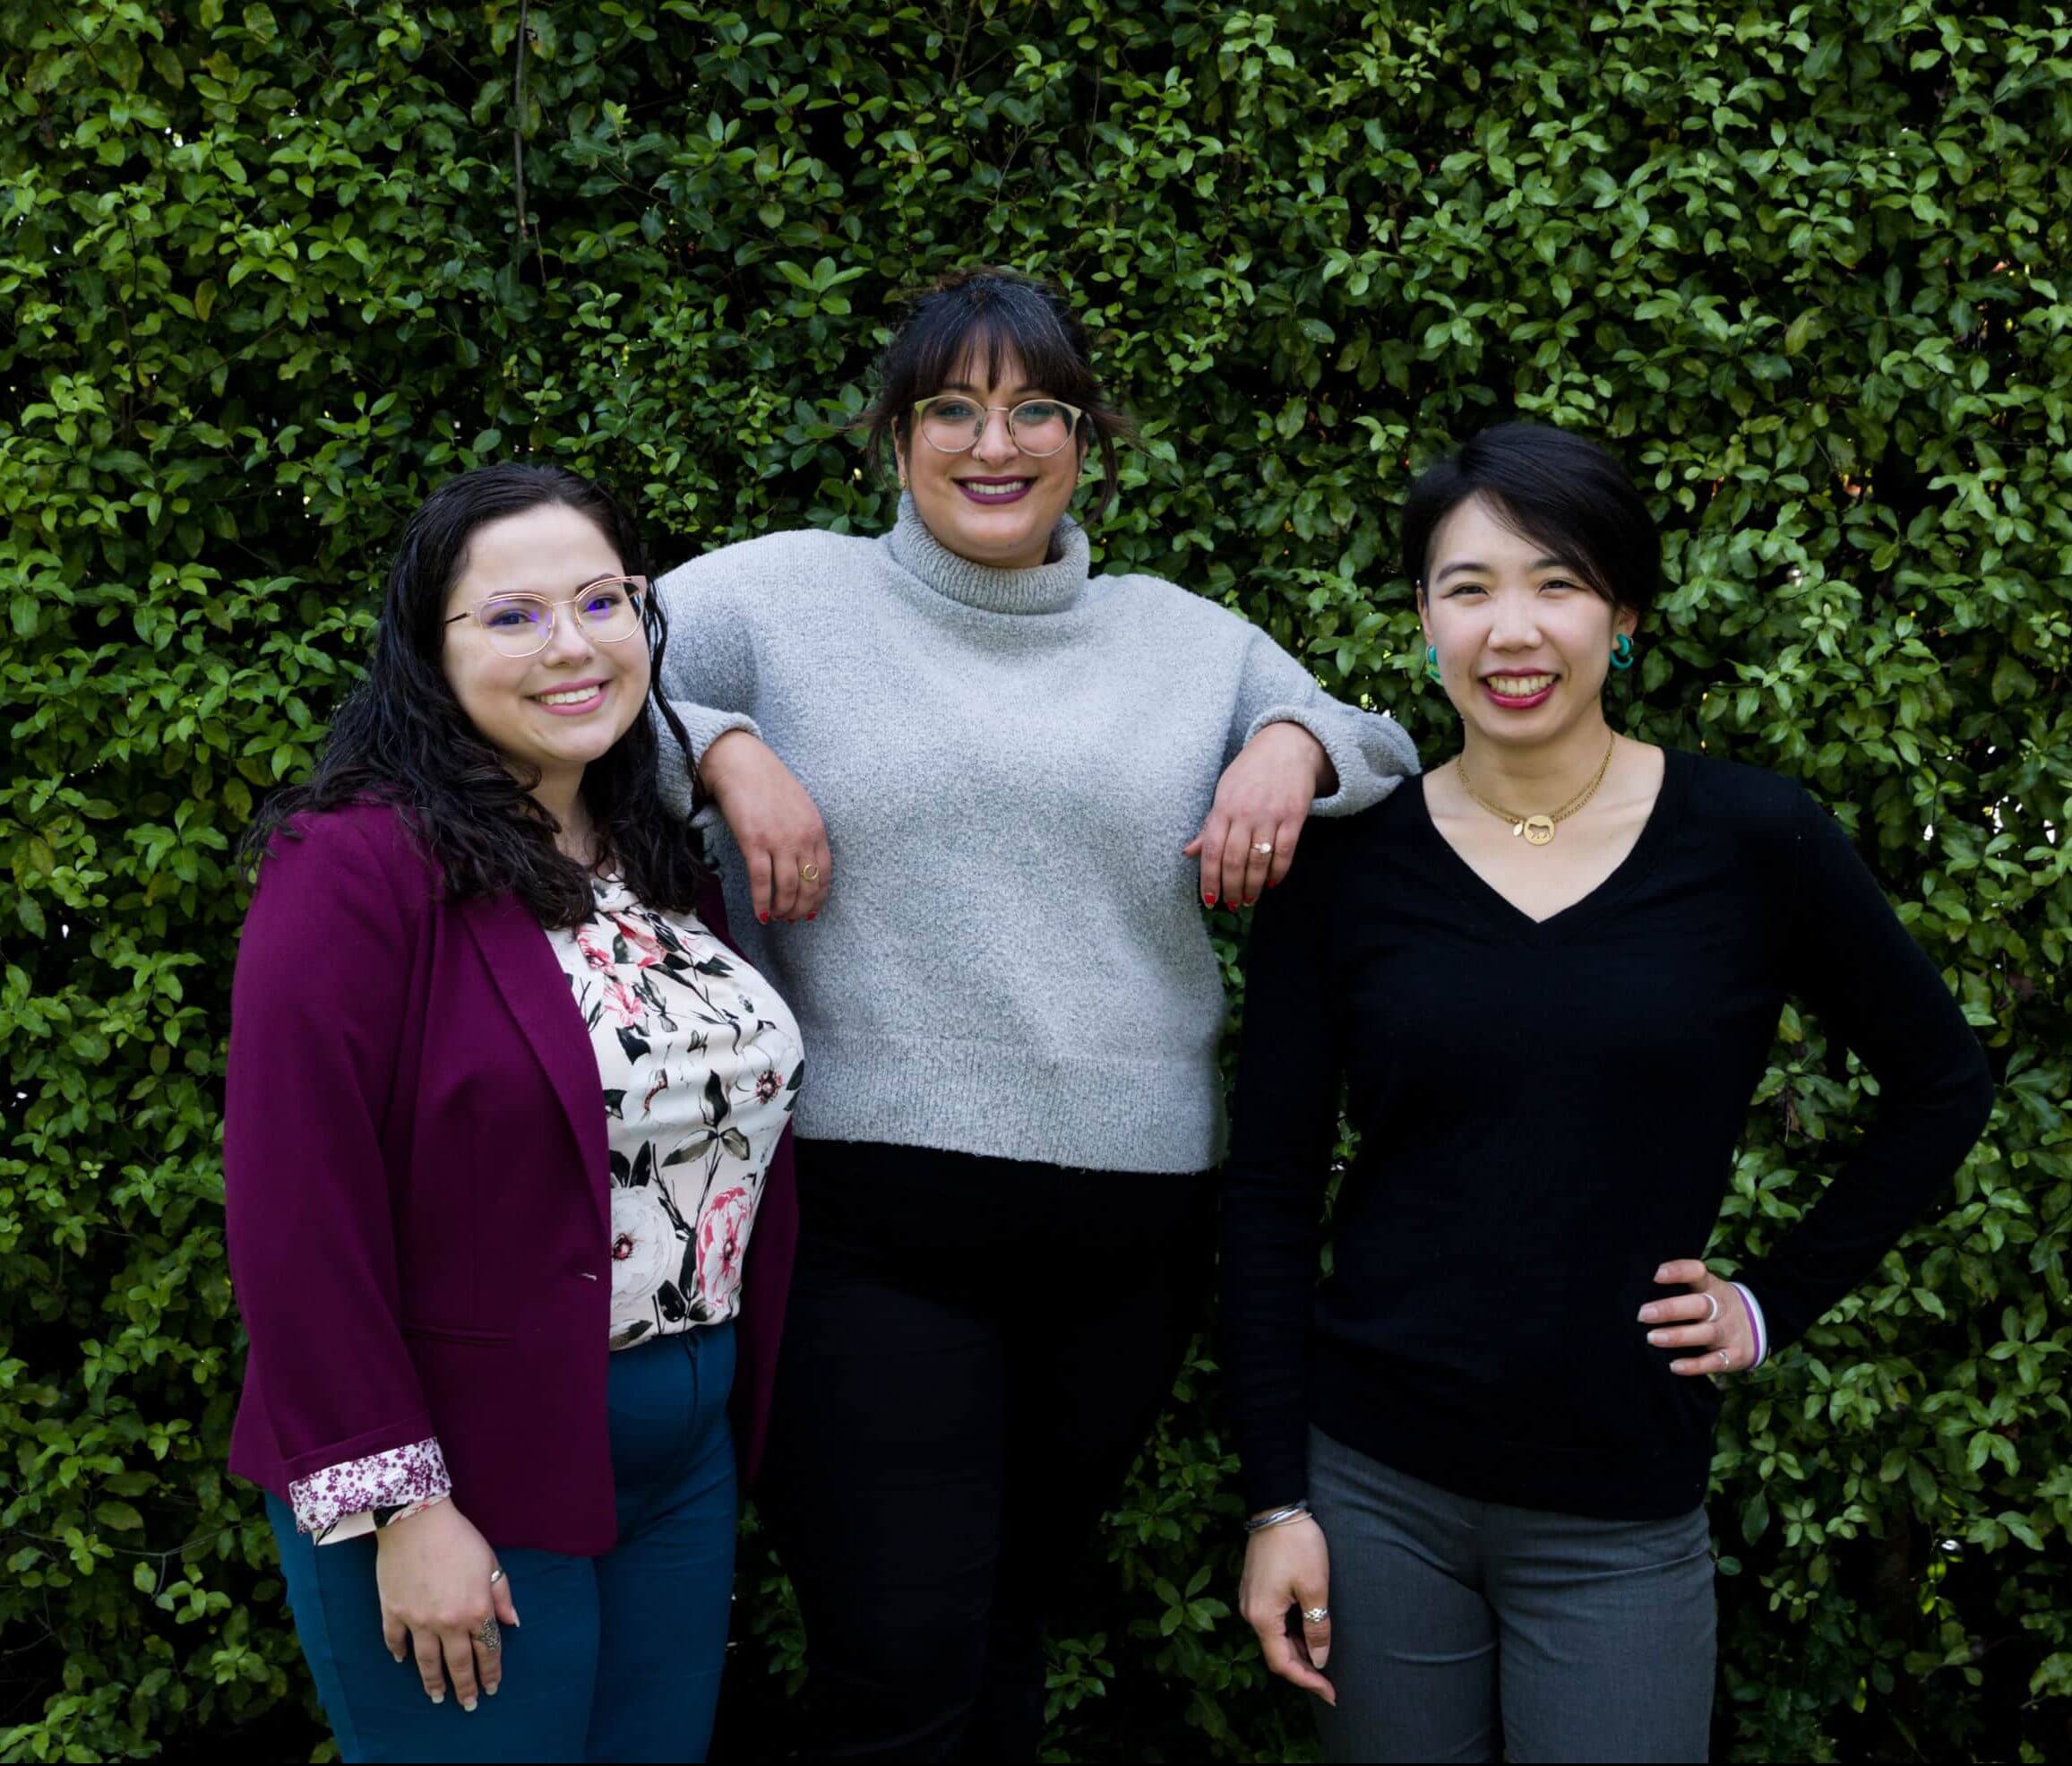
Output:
(537, 991)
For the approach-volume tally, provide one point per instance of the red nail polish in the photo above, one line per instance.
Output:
(813, 917)
(1250, 900)
(1208, 901)
(764, 918)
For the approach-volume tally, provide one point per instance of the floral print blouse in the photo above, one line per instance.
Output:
(701, 1065)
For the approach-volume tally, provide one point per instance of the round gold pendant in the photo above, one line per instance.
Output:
(1539, 828)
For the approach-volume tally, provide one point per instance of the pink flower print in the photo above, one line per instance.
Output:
(596, 953)
(623, 1003)
(722, 1239)
(767, 1085)
(640, 940)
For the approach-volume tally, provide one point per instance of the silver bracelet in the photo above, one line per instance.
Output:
(1279, 1517)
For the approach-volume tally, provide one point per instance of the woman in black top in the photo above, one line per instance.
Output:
(1548, 974)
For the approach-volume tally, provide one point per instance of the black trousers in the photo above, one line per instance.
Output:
(973, 1351)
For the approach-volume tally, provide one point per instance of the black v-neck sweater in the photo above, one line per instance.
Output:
(1547, 1112)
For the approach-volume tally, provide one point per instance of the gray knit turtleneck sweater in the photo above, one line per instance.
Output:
(1012, 960)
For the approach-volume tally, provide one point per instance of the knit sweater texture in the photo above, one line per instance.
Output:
(1012, 960)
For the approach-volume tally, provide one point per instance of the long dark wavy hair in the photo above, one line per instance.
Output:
(401, 737)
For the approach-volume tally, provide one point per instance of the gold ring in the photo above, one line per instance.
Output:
(809, 873)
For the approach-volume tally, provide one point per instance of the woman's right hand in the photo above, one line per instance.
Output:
(434, 1570)
(1286, 1567)
(775, 823)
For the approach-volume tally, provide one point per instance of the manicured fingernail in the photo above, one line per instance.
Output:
(813, 917)
(1207, 901)
(491, 1691)
(1648, 1314)
(468, 1704)
(1662, 1273)
(764, 918)
(1250, 900)
(398, 1659)
(1657, 1338)
(438, 1698)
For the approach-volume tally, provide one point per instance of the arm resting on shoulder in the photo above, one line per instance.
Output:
(1370, 754)
(708, 673)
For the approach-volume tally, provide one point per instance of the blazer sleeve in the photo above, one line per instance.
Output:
(1372, 753)
(317, 1002)
(1860, 970)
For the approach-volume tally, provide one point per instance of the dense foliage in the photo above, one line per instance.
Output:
(269, 272)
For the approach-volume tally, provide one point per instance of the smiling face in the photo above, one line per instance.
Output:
(994, 505)
(563, 706)
(1524, 643)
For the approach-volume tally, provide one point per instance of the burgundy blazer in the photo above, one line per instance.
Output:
(417, 1180)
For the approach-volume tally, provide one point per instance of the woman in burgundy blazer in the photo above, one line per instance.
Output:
(495, 1301)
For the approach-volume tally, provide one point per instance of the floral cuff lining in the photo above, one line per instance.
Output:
(356, 1526)
(381, 1485)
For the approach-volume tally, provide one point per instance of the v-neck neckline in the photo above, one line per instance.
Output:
(1661, 818)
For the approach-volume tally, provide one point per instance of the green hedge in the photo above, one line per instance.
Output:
(266, 275)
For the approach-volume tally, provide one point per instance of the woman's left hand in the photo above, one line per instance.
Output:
(1711, 1319)
(1261, 802)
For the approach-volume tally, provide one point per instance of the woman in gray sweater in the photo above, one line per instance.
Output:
(967, 798)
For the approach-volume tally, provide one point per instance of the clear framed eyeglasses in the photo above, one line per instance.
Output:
(950, 422)
(607, 611)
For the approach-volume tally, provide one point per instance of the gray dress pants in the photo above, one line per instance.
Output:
(1586, 1640)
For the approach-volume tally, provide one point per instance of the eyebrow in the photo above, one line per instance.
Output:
(541, 594)
(1484, 570)
(1020, 392)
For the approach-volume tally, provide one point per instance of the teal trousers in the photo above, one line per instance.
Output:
(618, 1658)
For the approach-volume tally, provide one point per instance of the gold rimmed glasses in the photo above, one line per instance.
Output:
(606, 612)
(950, 422)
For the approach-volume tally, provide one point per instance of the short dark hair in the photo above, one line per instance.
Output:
(997, 311)
(1560, 491)
(401, 737)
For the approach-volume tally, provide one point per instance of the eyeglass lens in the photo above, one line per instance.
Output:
(1037, 426)
(520, 625)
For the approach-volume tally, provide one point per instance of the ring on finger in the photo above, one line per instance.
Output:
(1711, 1300)
(1315, 1615)
(1726, 1358)
(495, 1576)
(809, 872)
(491, 1635)
(1265, 849)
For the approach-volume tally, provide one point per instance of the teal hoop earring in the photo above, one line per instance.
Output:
(1432, 662)
(1622, 652)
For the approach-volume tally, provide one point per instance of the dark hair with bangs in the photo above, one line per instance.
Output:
(401, 737)
(1561, 492)
(1000, 312)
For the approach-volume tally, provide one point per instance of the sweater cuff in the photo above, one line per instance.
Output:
(704, 727)
(1756, 1320)
(381, 1482)
(1370, 751)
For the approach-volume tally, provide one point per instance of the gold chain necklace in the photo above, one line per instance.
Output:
(1538, 830)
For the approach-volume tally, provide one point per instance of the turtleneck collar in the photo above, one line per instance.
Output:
(1049, 588)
